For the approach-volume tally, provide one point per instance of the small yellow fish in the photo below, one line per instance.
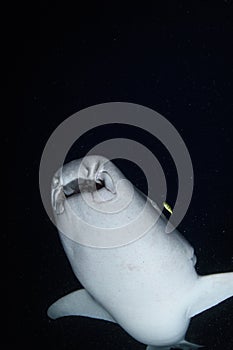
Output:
(167, 206)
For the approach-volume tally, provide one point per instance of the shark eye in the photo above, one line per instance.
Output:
(55, 182)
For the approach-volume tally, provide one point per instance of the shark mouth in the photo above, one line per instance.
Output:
(73, 187)
(102, 180)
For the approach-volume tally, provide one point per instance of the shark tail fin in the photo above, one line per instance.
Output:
(78, 303)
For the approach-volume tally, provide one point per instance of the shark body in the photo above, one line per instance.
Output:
(147, 284)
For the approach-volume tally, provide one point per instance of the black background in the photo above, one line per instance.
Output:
(176, 58)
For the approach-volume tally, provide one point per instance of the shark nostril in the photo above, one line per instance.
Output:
(71, 188)
(99, 185)
(106, 180)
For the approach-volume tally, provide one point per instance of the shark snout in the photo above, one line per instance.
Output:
(86, 175)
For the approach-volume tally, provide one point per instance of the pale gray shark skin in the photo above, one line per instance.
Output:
(149, 286)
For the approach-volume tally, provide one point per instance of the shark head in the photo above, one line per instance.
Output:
(95, 205)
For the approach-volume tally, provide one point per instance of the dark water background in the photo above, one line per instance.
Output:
(175, 58)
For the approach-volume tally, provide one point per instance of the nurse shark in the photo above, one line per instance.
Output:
(133, 272)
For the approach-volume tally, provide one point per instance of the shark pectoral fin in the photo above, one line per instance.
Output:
(184, 345)
(209, 291)
(78, 303)
(151, 347)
